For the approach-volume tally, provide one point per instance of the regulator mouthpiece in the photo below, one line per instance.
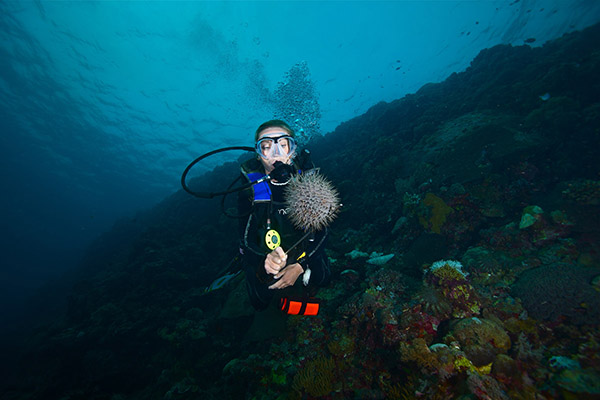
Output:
(282, 172)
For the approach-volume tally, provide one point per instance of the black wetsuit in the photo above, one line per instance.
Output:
(267, 213)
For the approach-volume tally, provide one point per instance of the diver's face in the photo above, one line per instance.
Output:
(281, 152)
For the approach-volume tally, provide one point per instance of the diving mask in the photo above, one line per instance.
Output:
(271, 147)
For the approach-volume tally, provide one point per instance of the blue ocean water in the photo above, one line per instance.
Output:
(104, 103)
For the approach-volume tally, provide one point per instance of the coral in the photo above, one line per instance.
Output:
(371, 318)
(533, 232)
(380, 260)
(399, 392)
(437, 213)
(448, 277)
(560, 217)
(316, 377)
(418, 352)
(312, 200)
(185, 330)
(559, 290)
(589, 351)
(464, 301)
(415, 323)
(342, 347)
(544, 230)
(410, 201)
(528, 326)
(488, 267)
(482, 259)
(507, 238)
(485, 387)
(527, 220)
(523, 350)
(387, 282)
(505, 368)
(277, 376)
(308, 330)
(354, 254)
(447, 270)
(488, 195)
(531, 214)
(583, 192)
(434, 302)
(383, 300)
(561, 362)
(481, 339)
(464, 222)
(582, 382)
(506, 307)
(462, 363)
(187, 386)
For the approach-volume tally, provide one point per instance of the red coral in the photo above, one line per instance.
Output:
(416, 323)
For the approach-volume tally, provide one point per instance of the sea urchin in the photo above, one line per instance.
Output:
(312, 201)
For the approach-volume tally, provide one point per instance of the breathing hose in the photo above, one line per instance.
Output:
(210, 195)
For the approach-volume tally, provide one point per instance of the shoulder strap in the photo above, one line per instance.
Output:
(261, 192)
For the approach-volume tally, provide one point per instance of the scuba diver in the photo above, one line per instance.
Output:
(273, 251)
(267, 232)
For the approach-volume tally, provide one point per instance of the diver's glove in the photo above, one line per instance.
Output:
(282, 172)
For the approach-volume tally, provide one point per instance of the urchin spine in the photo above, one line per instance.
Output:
(313, 202)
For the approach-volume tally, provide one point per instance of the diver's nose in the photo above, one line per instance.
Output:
(277, 150)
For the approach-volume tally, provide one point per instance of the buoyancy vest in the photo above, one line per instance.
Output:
(267, 206)
(261, 192)
(253, 170)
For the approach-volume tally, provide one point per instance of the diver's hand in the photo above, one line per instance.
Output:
(275, 261)
(287, 277)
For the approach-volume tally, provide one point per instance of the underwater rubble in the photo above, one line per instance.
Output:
(483, 198)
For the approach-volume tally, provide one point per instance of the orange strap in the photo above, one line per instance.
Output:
(300, 306)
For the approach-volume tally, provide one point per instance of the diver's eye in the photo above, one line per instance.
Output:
(266, 145)
(283, 142)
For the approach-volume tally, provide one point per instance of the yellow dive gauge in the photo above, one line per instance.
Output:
(272, 239)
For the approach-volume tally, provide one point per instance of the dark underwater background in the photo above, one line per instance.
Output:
(455, 132)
